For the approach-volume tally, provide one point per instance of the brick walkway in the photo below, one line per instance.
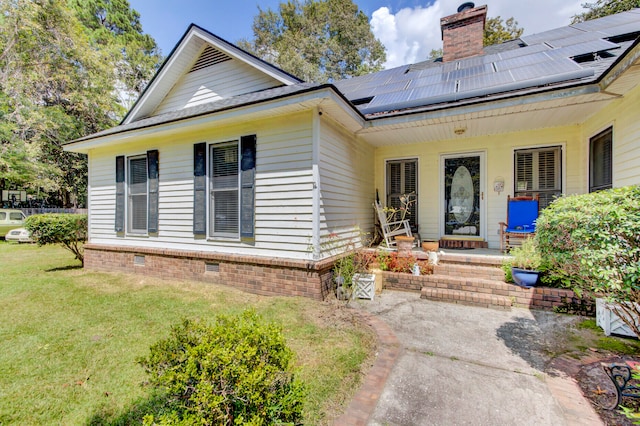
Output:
(364, 402)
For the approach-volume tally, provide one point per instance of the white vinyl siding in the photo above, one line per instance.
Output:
(538, 171)
(283, 198)
(137, 206)
(220, 81)
(347, 187)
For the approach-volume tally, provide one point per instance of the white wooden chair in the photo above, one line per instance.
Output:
(391, 229)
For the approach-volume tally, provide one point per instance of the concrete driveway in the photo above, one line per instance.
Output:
(461, 364)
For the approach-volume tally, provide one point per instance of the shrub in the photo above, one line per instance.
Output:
(591, 243)
(236, 371)
(68, 230)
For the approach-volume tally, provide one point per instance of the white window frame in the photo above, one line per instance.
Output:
(560, 169)
(213, 233)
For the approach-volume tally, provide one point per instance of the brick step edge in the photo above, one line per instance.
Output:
(469, 271)
(466, 297)
(478, 284)
(476, 260)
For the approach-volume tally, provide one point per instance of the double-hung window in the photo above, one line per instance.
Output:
(231, 180)
(538, 171)
(601, 160)
(137, 182)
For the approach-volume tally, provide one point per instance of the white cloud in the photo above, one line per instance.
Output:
(411, 33)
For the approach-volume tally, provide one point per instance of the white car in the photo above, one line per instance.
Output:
(20, 235)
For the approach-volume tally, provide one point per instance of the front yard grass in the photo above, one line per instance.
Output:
(69, 339)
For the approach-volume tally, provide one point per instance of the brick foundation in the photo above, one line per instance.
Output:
(259, 275)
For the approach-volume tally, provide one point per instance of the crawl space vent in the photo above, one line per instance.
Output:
(209, 57)
(138, 260)
(212, 267)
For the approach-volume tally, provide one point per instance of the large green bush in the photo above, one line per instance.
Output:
(591, 243)
(236, 371)
(68, 230)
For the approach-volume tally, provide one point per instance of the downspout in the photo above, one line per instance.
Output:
(315, 170)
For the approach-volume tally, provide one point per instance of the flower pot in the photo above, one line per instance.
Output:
(430, 245)
(524, 277)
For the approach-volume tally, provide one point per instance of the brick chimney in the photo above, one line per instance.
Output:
(462, 33)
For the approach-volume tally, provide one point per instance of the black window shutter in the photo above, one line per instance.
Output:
(119, 225)
(152, 175)
(247, 188)
(200, 188)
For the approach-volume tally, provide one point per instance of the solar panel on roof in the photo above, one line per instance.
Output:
(576, 39)
(551, 35)
(547, 69)
(389, 99)
(621, 29)
(483, 81)
(468, 72)
(426, 81)
(527, 50)
(608, 22)
(582, 49)
(470, 62)
(433, 90)
(521, 61)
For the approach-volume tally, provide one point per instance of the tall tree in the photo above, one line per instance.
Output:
(57, 83)
(116, 28)
(498, 31)
(602, 8)
(318, 40)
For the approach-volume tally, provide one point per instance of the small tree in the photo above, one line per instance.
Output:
(68, 230)
(236, 371)
(591, 243)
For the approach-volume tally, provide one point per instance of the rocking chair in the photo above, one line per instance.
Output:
(522, 213)
(391, 229)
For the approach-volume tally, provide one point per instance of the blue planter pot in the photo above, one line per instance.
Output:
(524, 277)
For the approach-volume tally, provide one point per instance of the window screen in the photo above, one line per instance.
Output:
(137, 208)
(537, 171)
(224, 190)
(600, 161)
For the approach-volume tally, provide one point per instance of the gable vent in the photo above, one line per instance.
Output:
(210, 56)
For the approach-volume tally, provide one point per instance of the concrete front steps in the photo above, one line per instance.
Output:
(471, 279)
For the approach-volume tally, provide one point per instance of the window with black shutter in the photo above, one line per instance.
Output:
(138, 176)
(538, 171)
(231, 203)
(601, 161)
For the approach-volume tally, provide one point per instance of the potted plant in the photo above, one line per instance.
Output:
(525, 264)
(352, 277)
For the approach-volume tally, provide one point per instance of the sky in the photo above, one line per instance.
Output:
(409, 29)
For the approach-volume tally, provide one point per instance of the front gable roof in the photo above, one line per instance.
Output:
(204, 68)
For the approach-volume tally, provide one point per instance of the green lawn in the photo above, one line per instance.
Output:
(69, 339)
